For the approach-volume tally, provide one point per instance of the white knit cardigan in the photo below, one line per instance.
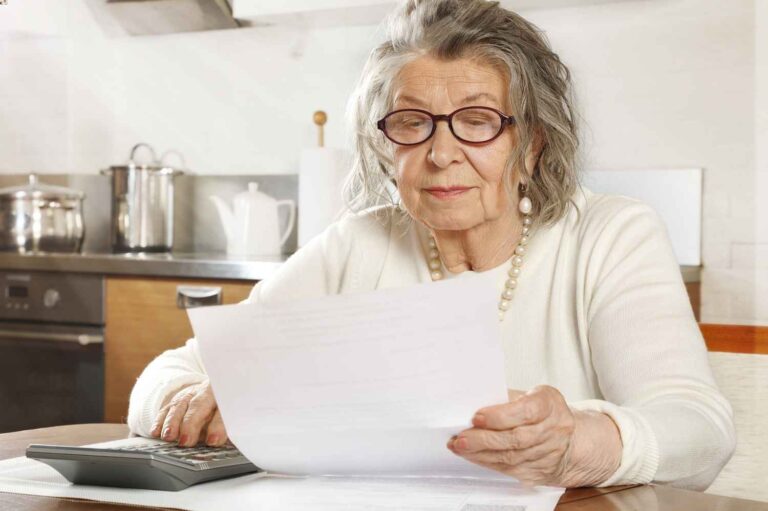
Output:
(600, 312)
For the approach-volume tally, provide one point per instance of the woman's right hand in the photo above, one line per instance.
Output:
(189, 415)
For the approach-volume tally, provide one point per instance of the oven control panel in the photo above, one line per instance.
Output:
(56, 297)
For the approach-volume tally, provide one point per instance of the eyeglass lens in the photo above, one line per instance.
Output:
(471, 125)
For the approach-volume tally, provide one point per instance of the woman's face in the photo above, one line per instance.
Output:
(474, 172)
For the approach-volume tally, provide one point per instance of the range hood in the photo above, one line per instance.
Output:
(154, 17)
(149, 17)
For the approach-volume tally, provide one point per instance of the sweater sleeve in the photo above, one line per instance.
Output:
(320, 268)
(649, 355)
(166, 374)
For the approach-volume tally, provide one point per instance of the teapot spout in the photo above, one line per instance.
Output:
(226, 216)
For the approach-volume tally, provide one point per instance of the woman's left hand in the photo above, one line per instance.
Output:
(534, 438)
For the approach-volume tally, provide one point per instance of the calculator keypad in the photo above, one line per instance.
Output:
(192, 455)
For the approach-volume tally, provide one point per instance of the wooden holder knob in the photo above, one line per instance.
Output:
(320, 118)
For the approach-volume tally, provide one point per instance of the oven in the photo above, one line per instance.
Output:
(51, 349)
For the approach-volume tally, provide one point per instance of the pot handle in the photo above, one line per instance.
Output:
(291, 218)
(142, 144)
(173, 152)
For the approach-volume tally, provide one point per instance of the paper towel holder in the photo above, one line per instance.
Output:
(320, 118)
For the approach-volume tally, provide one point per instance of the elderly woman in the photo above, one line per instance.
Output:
(466, 145)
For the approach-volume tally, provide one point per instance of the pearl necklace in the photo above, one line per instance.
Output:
(436, 265)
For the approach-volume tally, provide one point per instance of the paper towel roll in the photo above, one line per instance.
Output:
(321, 177)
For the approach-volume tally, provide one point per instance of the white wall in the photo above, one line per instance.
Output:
(244, 98)
(662, 83)
(760, 252)
(58, 83)
(669, 84)
(232, 101)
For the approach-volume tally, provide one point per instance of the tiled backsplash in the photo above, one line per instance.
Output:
(197, 227)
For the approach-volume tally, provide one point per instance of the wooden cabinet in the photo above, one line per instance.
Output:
(142, 321)
(750, 339)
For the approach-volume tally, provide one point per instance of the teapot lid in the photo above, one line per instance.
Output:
(253, 194)
(36, 190)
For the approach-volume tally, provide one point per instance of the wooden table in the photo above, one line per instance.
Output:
(618, 498)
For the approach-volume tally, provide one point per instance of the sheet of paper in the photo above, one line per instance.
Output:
(249, 492)
(369, 383)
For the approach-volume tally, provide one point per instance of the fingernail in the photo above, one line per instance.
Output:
(461, 443)
(167, 434)
(212, 439)
(451, 441)
(183, 439)
(478, 420)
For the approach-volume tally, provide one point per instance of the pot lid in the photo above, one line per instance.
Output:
(37, 190)
(152, 169)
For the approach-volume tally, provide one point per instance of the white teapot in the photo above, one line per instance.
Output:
(251, 226)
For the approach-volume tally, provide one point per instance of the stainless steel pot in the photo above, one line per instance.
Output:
(142, 206)
(41, 218)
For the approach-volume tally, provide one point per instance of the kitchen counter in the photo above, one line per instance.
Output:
(209, 266)
(213, 266)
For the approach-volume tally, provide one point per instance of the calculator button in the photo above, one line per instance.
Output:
(193, 462)
(178, 455)
(202, 457)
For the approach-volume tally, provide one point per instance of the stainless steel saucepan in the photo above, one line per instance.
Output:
(142, 205)
(41, 218)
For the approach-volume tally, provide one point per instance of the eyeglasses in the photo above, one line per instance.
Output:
(472, 124)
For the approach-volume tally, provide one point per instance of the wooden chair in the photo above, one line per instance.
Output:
(743, 379)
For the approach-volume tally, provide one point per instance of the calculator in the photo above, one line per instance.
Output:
(151, 465)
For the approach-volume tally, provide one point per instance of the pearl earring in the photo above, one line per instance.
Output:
(525, 205)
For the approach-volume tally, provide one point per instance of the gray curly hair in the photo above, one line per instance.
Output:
(539, 94)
